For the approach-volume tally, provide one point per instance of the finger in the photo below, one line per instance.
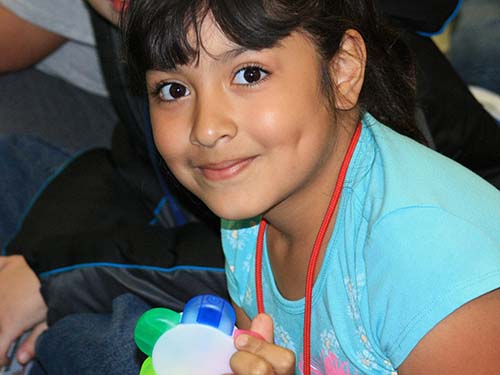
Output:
(246, 363)
(263, 325)
(280, 359)
(3, 353)
(6, 341)
(26, 350)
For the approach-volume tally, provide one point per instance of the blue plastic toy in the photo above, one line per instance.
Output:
(198, 341)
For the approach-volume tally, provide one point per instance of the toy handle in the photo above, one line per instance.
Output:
(211, 311)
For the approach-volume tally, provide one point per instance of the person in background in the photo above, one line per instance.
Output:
(53, 102)
(53, 106)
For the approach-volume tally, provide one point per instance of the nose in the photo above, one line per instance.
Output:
(213, 123)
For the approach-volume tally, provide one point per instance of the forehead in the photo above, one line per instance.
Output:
(210, 40)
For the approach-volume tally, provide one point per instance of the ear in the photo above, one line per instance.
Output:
(347, 70)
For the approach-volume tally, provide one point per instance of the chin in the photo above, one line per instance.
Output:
(234, 212)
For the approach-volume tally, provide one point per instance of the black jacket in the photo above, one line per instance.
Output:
(424, 16)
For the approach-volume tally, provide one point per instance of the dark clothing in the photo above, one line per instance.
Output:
(425, 16)
(107, 347)
(460, 127)
(26, 163)
(39, 105)
(44, 122)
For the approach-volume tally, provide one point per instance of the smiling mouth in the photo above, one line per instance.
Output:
(224, 170)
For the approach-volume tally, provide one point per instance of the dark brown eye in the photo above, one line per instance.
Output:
(252, 74)
(249, 75)
(172, 91)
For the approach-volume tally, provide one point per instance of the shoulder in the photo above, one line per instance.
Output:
(432, 239)
(465, 342)
(422, 263)
(406, 175)
(425, 245)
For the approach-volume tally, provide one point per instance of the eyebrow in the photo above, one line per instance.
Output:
(222, 57)
(238, 50)
(231, 54)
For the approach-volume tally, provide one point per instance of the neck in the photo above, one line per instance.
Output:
(294, 223)
(297, 219)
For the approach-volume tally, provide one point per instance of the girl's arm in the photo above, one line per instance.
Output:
(465, 342)
(257, 356)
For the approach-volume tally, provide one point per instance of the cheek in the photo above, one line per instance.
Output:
(273, 120)
(288, 122)
(290, 107)
(169, 137)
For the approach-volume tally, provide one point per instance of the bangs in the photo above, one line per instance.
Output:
(162, 35)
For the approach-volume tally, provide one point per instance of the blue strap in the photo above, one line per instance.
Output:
(446, 23)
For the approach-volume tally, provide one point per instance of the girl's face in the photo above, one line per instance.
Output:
(246, 131)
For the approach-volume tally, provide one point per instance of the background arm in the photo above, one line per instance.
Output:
(23, 44)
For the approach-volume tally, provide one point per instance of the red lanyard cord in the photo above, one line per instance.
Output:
(314, 254)
(258, 267)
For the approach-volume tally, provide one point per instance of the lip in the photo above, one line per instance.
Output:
(224, 170)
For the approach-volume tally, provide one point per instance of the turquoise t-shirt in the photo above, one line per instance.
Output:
(416, 237)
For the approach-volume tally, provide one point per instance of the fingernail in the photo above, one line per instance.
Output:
(240, 338)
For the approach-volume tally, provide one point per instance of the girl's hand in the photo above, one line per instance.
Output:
(257, 356)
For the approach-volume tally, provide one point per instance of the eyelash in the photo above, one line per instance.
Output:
(257, 66)
(156, 91)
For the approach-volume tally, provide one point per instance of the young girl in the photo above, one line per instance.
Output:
(365, 252)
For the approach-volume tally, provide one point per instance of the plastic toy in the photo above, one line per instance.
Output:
(197, 341)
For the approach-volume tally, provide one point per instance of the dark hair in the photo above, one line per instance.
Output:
(155, 33)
